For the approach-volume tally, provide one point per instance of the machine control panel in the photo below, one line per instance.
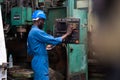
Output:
(61, 28)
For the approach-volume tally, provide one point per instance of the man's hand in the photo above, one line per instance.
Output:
(49, 47)
(69, 29)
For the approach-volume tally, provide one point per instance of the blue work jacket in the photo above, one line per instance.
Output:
(36, 46)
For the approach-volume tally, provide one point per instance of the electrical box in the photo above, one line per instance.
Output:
(61, 28)
(21, 15)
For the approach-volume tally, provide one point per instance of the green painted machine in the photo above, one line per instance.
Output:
(68, 58)
(78, 66)
(21, 16)
(1, 1)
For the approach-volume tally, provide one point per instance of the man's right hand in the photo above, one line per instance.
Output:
(69, 29)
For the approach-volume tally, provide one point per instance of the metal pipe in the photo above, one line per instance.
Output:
(70, 8)
(36, 3)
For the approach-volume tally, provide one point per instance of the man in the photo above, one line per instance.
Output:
(37, 40)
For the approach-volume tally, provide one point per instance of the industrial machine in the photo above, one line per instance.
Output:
(69, 58)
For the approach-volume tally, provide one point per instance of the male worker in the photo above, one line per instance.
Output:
(37, 40)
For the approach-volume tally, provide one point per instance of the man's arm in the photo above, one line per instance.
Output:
(69, 31)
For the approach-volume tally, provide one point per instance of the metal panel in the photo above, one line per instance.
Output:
(78, 56)
(70, 8)
(29, 14)
(18, 16)
(21, 15)
(80, 49)
(62, 25)
(82, 14)
(53, 14)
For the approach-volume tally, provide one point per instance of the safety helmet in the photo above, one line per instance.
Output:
(38, 14)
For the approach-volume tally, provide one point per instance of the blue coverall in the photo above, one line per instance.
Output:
(36, 46)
